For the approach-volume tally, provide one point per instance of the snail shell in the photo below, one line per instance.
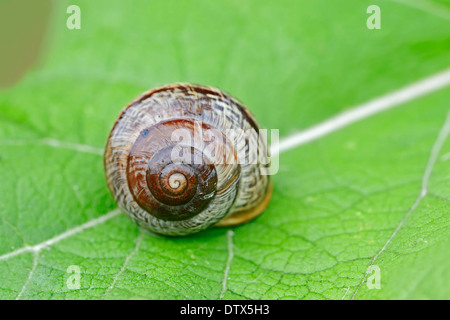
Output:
(167, 179)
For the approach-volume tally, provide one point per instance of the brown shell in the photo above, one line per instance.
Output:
(206, 186)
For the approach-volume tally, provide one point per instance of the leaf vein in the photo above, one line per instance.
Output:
(435, 150)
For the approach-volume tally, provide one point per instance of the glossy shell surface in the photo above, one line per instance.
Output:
(181, 197)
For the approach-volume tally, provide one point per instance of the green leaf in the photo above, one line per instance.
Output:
(342, 203)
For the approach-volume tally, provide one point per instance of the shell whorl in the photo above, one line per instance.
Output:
(203, 186)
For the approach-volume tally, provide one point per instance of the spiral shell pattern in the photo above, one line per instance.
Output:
(180, 186)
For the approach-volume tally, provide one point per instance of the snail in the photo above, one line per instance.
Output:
(182, 158)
